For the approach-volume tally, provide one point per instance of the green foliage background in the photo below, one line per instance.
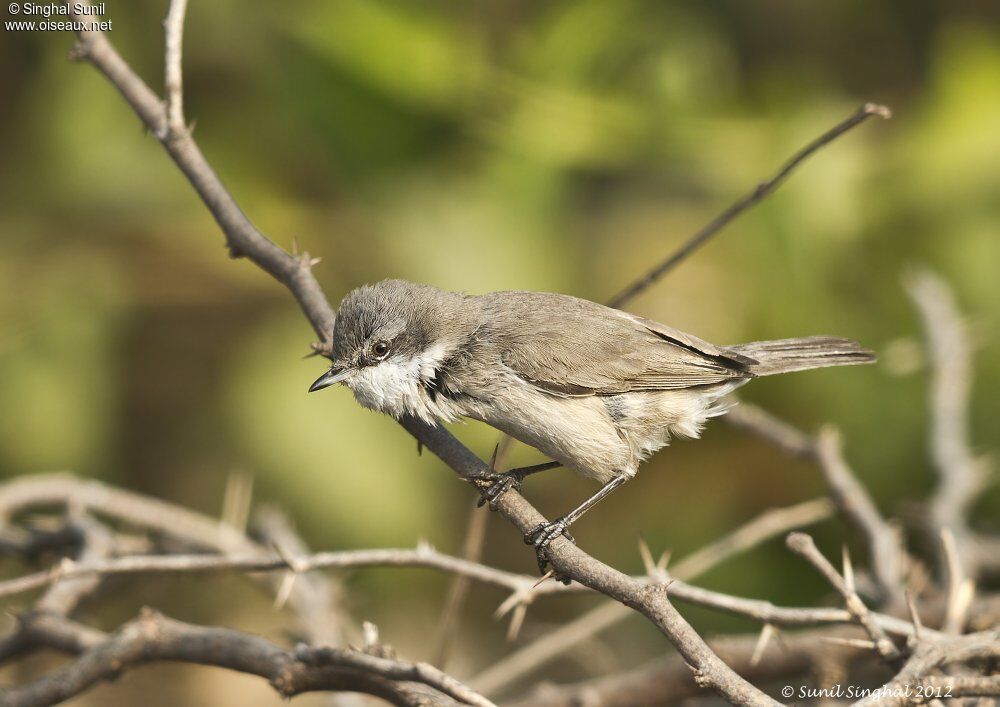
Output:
(486, 145)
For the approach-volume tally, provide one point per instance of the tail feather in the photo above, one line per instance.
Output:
(786, 355)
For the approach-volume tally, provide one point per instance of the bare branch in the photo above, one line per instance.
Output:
(571, 562)
(960, 476)
(666, 680)
(426, 557)
(888, 557)
(961, 589)
(802, 544)
(930, 656)
(769, 524)
(416, 672)
(759, 193)
(772, 523)
(66, 593)
(423, 556)
(242, 237)
(173, 75)
(772, 429)
(316, 599)
(135, 509)
(884, 542)
(152, 637)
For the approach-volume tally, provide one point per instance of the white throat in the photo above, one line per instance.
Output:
(397, 386)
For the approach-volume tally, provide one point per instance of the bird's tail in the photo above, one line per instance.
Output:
(786, 355)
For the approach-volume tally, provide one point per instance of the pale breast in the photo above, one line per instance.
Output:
(578, 432)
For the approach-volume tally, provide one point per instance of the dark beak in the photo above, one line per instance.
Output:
(331, 377)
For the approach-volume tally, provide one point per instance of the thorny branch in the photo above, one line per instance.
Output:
(154, 637)
(103, 551)
(961, 477)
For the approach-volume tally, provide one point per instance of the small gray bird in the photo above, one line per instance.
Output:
(594, 388)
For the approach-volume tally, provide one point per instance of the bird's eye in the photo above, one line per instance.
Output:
(380, 349)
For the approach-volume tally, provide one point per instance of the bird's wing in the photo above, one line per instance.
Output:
(573, 347)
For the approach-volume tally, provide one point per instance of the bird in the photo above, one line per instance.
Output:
(597, 390)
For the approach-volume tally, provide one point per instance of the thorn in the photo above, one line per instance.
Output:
(237, 500)
(852, 642)
(766, 634)
(517, 597)
(284, 589)
(506, 605)
(295, 245)
(547, 575)
(848, 570)
(516, 622)
(963, 600)
(424, 547)
(663, 562)
(918, 626)
(647, 557)
(369, 635)
(313, 262)
(493, 457)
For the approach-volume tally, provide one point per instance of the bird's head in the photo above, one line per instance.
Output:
(388, 341)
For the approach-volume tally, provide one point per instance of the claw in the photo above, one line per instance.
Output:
(541, 537)
(504, 483)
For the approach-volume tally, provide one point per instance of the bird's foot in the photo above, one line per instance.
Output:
(501, 485)
(542, 536)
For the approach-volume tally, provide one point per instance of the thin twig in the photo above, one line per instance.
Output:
(666, 680)
(769, 524)
(426, 557)
(536, 654)
(423, 556)
(173, 74)
(66, 490)
(961, 589)
(759, 193)
(395, 670)
(66, 593)
(316, 598)
(887, 556)
(803, 544)
(772, 429)
(930, 656)
(154, 637)
(960, 475)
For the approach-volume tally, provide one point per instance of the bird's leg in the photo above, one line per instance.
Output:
(511, 480)
(542, 535)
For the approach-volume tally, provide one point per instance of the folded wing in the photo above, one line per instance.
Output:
(573, 347)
